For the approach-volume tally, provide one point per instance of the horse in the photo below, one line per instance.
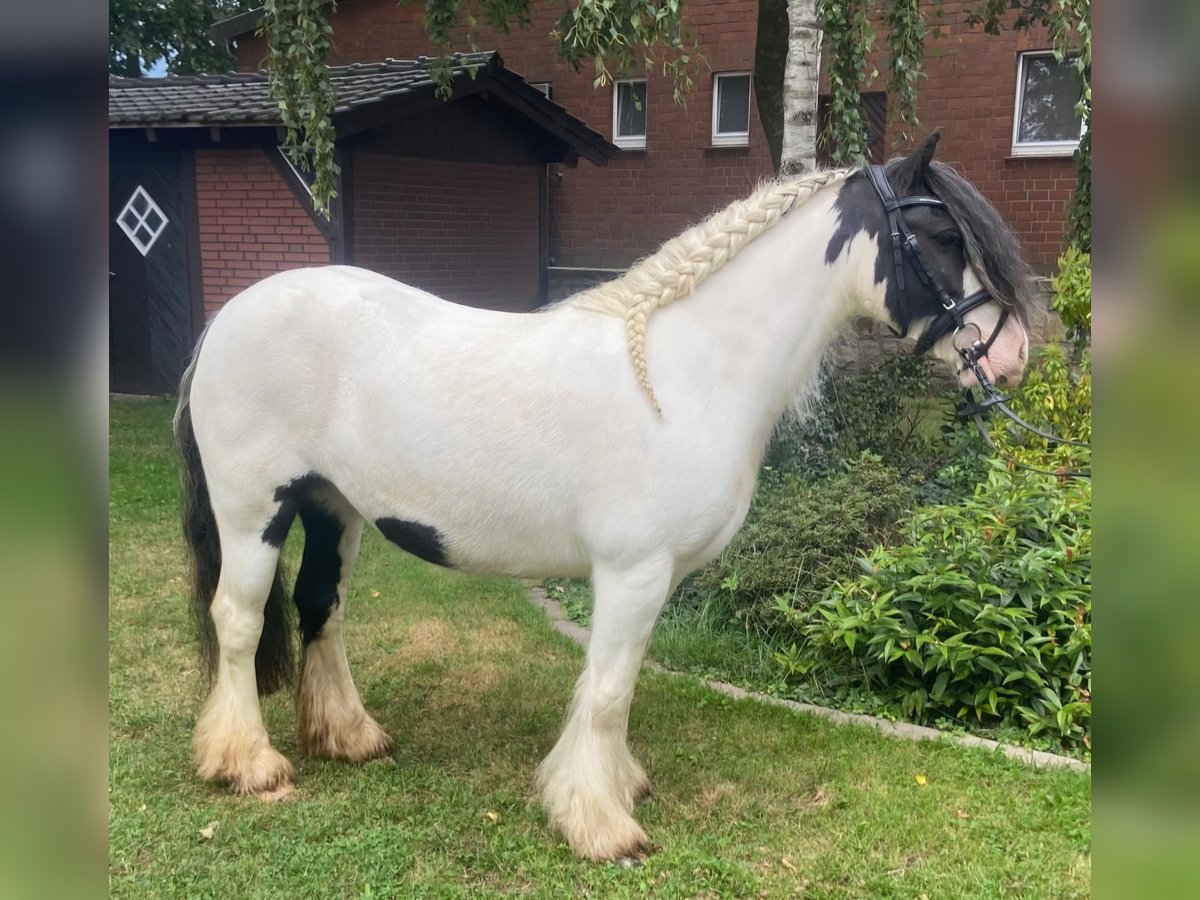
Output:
(616, 434)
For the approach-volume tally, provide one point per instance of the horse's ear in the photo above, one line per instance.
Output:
(911, 171)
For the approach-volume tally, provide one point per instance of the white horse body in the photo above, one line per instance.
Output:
(542, 460)
(518, 444)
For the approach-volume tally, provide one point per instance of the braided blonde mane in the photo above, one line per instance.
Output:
(683, 262)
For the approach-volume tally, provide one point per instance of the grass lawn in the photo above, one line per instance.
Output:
(473, 684)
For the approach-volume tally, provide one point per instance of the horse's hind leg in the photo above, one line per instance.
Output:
(590, 781)
(331, 720)
(231, 742)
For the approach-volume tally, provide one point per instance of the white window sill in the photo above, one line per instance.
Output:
(628, 143)
(1021, 151)
(728, 140)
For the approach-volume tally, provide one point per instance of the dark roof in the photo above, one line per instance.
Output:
(242, 99)
(236, 26)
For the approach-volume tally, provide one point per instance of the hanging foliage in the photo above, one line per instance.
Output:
(616, 36)
(298, 35)
(621, 36)
(848, 39)
(906, 40)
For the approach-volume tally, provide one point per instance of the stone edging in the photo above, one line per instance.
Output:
(1037, 758)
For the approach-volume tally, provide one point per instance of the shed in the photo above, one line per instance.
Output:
(450, 196)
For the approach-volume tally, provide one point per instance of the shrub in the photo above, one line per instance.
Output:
(798, 537)
(984, 612)
(891, 410)
(1056, 395)
(1073, 297)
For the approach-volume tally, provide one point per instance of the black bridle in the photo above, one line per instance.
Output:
(951, 319)
(904, 245)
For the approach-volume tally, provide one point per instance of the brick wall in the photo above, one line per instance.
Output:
(970, 93)
(251, 224)
(465, 232)
(608, 217)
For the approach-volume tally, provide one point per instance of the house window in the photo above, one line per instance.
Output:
(1046, 122)
(544, 87)
(142, 220)
(629, 114)
(731, 110)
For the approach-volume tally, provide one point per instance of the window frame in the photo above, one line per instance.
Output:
(141, 220)
(1036, 148)
(730, 138)
(301, 177)
(628, 141)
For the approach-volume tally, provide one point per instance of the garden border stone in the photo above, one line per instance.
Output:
(905, 730)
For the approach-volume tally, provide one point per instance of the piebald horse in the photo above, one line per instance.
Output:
(616, 434)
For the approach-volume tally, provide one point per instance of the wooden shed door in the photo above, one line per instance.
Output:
(151, 326)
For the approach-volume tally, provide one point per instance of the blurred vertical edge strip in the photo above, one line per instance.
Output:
(53, 447)
(1146, 320)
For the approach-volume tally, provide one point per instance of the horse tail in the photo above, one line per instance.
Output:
(274, 660)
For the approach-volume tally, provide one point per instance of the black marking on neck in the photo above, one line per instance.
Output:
(858, 210)
(290, 497)
(423, 541)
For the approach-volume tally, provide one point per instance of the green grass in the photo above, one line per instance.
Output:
(472, 683)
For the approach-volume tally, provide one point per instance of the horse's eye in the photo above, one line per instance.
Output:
(949, 239)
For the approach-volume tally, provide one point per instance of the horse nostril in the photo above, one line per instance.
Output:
(1002, 380)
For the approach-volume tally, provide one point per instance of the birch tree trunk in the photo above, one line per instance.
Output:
(801, 84)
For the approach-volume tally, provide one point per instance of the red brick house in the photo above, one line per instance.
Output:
(1005, 107)
(450, 196)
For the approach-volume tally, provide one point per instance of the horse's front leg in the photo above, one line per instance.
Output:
(590, 782)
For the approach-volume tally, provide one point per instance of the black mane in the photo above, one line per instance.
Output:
(991, 248)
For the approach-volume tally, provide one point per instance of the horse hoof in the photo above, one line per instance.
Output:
(360, 744)
(613, 845)
(279, 794)
(269, 776)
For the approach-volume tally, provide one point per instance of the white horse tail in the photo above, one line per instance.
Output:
(275, 659)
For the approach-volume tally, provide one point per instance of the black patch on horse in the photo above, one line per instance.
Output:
(316, 593)
(989, 245)
(423, 541)
(290, 497)
(857, 211)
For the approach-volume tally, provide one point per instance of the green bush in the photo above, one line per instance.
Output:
(799, 536)
(1056, 395)
(984, 612)
(892, 410)
(1073, 297)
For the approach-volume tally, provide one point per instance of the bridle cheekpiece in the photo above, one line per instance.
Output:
(904, 245)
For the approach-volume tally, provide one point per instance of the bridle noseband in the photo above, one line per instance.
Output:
(904, 244)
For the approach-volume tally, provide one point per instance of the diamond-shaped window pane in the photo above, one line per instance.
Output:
(142, 220)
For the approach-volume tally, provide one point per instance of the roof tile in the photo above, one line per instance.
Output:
(244, 97)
